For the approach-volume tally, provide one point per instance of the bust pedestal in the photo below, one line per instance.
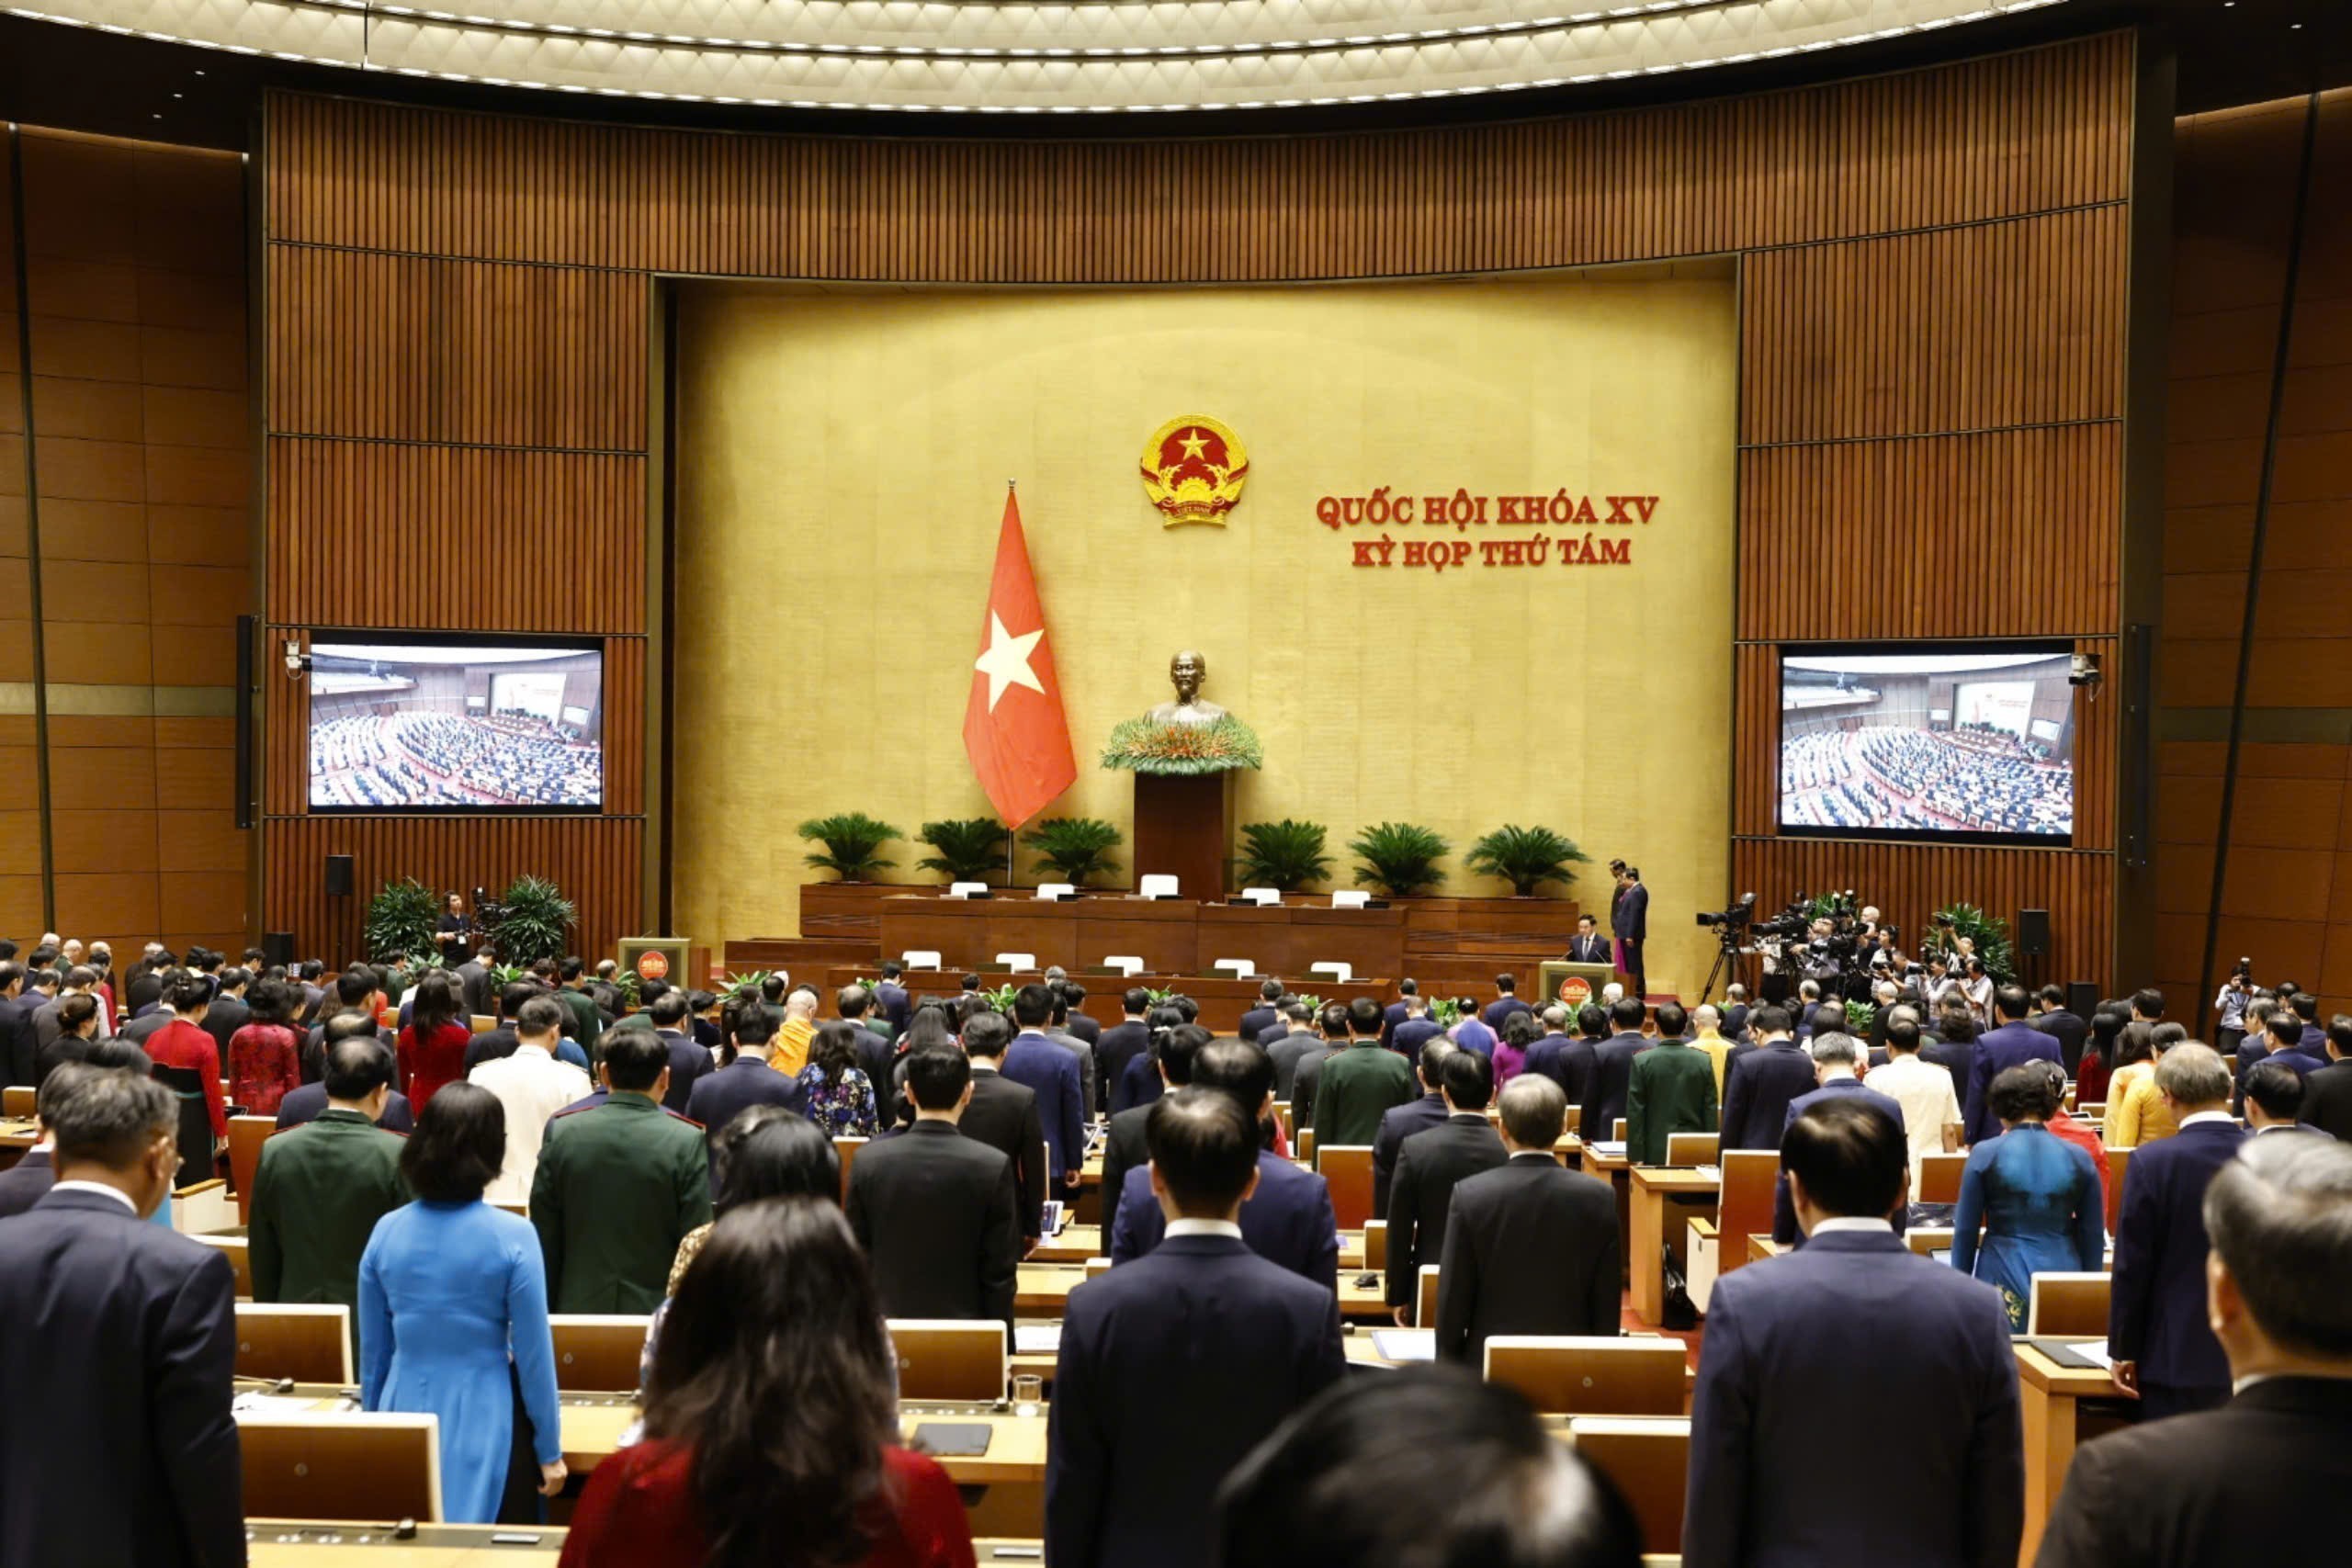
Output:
(1184, 828)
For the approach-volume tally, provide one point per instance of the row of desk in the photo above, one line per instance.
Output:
(1172, 936)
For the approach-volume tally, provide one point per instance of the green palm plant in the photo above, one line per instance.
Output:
(1526, 857)
(537, 923)
(1400, 857)
(970, 848)
(1074, 847)
(399, 922)
(1989, 934)
(1284, 855)
(852, 843)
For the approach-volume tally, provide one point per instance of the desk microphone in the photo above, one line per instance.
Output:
(267, 1385)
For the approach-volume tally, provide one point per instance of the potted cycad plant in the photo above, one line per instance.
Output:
(1074, 849)
(852, 843)
(965, 849)
(1526, 858)
(1400, 858)
(1285, 854)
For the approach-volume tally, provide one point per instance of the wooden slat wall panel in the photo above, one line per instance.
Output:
(1940, 530)
(344, 512)
(1930, 260)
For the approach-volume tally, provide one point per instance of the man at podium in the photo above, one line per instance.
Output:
(1589, 946)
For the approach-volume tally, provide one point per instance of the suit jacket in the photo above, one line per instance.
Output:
(1287, 1220)
(1397, 1125)
(2203, 1489)
(1631, 919)
(1531, 1248)
(1170, 1369)
(1672, 1090)
(223, 1018)
(19, 1045)
(1308, 1078)
(1612, 1082)
(1050, 1071)
(1784, 1213)
(1957, 1057)
(121, 1336)
(1593, 949)
(689, 1060)
(24, 1183)
(1431, 1166)
(934, 1210)
(1257, 1021)
(896, 1005)
(320, 1191)
(724, 1093)
(1500, 1009)
(1933, 1345)
(1287, 1053)
(1090, 1095)
(1735, 1023)
(310, 1102)
(1758, 1086)
(2327, 1100)
(474, 987)
(618, 1188)
(1118, 1046)
(2069, 1031)
(1409, 1036)
(1124, 1150)
(2011, 1045)
(1004, 1115)
(2156, 1311)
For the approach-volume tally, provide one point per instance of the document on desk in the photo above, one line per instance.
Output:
(1711, 1172)
(1608, 1150)
(266, 1406)
(1405, 1344)
(1036, 1339)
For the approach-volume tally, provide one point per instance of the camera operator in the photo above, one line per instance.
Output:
(2229, 1027)
(450, 932)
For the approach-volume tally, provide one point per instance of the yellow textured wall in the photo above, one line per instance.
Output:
(841, 463)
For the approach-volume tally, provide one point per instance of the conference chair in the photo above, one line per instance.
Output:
(1350, 899)
(846, 1150)
(17, 1099)
(307, 1341)
(1303, 1146)
(1649, 1458)
(1574, 1121)
(1018, 963)
(2118, 1161)
(482, 1022)
(342, 1465)
(1342, 973)
(1126, 964)
(1376, 1244)
(203, 1207)
(246, 1135)
(1289, 1124)
(1571, 1375)
(1156, 884)
(2068, 1305)
(1425, 1297)
(521, 1210)
(1744, 1206)
(240, 1260)
(1617, 1129)
(920, 957)
(1939, 1177)
(1348, 1168)
(597, 1352)
(1691, 1148)
(950, 1360)
(1097, 1264)
(1239, 968)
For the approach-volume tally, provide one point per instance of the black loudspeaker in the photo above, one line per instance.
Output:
(339, 882)
(278, 949)
(2033, 934)
(2082, 999)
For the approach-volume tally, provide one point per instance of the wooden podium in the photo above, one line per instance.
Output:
(1573, 985)
(1184, 829)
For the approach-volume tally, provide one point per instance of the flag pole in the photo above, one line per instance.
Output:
(1009, 873)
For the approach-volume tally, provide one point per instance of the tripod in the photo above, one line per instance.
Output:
(1727, 963)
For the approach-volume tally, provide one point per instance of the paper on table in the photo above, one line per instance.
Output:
(1036, 1340)
(266, 1405)
(1405, 1344)
(1711, 1172)
(1612, 1150)
(2093, 1350)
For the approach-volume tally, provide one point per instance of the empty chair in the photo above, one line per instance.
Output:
(967, 889)
(1126, 964)
(246, 1135)
(1156, 884)
(597, 1352)
(2068, 1305)
(1375, 1245)
(342, 1465)
(1239, 969)
(919, 958)
(1566, 1375)
(240, 1260)
(2117, 1162)
(1020, 962)
(1744, 1206)
(1056, 890)
(950, 1360)
(16, 1100)
(1939, 1177)
(1425, 1297)
(1346, 1167)
(1649, 1458)
(1350, 899)
(845, 1149)
(1262, 895)
(1339, 972)
(1691, 1148)
(307, 1341)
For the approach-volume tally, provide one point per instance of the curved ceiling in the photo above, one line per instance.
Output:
(970, 57)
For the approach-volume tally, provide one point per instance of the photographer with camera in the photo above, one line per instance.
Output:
(2229, 1007)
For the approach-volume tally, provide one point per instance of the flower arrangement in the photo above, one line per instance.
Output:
(1141, 745)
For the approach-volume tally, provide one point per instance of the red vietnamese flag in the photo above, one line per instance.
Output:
(1013, 726)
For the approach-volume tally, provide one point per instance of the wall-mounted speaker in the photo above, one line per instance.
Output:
(2082, 999)
(339, 877)
(2033, 934)
(278, 949)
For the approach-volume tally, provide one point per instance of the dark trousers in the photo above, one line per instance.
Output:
(2159, 1400)
(1633, 968)
(520, 1502)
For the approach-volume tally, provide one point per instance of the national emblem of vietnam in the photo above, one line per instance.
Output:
(1194, 469)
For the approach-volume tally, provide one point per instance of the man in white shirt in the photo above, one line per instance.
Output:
(533, 1086)
(1930, 1106)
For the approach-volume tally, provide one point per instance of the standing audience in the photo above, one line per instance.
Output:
(323, 1185)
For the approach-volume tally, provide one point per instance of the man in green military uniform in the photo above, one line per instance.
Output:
(1672, 1090)
(618, 1186)
(323, 1185)
(587, 1018)
(1360, 1084)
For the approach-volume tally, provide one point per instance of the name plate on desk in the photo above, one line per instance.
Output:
(953, 1439)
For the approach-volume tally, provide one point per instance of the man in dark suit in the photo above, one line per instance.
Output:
(1172, 1367)
(1589, 946)
(1613, 1070)
(2205, 1488)
(736, 1085)
(1409, 990)
(1050, 1072)
(891, 997)
(2012, 1044)
(121, 1340)
(2327, 1093)
(2069, 1029)
(689, 1059)
(321, 1188)
(1932, 1354)
(1631, 921)
(1400, 1122)
(1297, 1041)
(1735, 1012)
(1415, 1028)
(1004, 1115)
(1087, 1029)
(1266, 1014)
(1288, 1218)
(1507, 1002)
(227, 1013)
(1837, 1063)
(1759, 1080)
(1332, 1037)
(933, 1209)
(1544, 1055)
(1430, 1167)
(2157, 1336)
(1122, 1043)
(1531, 1248)
(1125, 1147)
(18, 1046)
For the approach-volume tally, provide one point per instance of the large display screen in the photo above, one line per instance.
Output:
(1963, 741)
(456, 723)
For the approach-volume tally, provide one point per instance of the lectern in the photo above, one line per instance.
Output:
(1184, 827)
(1573, 985)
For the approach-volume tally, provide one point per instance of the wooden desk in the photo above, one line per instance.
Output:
(18, 1135)
(1079, 1243)
(2049, 1394)
(299, 1543)
(1614, 1169)
(1656, 1192)
(1043, 1290)
(1173, 937)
